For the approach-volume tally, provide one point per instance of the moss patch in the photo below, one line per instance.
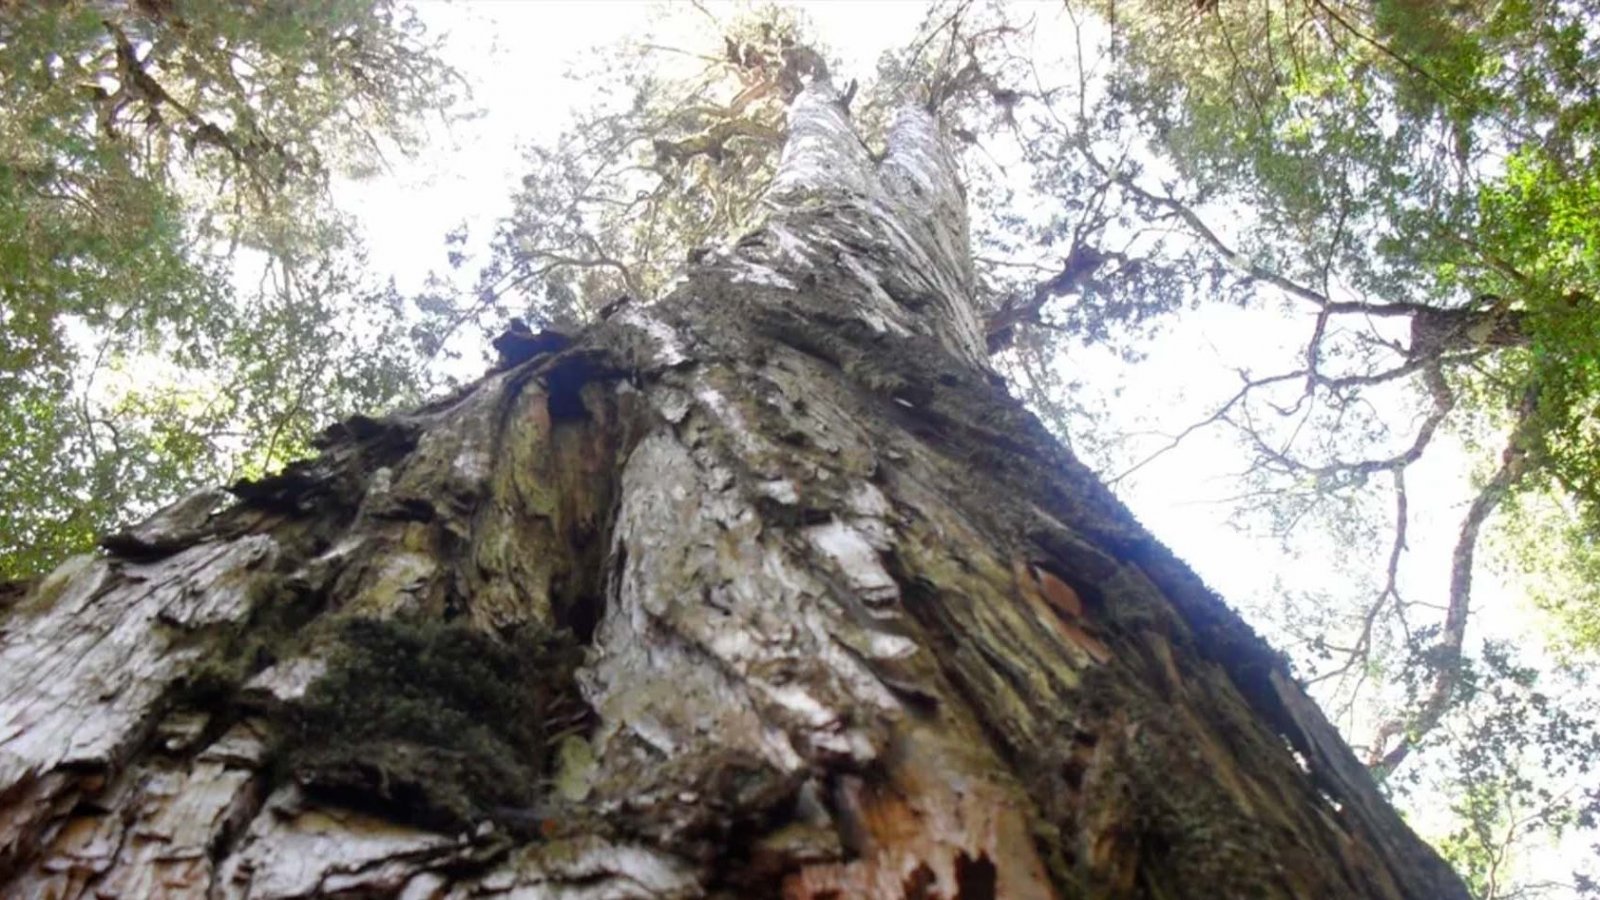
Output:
(435, 723)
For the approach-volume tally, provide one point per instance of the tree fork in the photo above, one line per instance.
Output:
(766, 589)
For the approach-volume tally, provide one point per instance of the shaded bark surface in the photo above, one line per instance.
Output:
(766, 589)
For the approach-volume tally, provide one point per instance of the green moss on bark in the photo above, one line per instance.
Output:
(435, 723)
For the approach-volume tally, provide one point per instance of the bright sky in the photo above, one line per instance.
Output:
(515, 53)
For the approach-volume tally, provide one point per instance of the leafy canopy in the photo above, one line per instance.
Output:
(179, 301)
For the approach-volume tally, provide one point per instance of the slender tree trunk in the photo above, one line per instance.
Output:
(765, 589)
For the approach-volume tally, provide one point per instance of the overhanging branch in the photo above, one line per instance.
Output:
(1446, 654)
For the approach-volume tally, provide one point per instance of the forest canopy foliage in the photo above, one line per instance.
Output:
(1401, 198)
(169, 253)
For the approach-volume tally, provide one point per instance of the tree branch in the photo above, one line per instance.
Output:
(1446, 654)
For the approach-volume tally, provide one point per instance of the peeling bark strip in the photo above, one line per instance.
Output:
(767, 589)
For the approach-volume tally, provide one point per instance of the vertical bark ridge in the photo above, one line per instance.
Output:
(897, 229)
(822, 157)
(754, 628)
(920, 173)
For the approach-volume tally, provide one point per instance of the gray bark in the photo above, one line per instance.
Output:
(765, 589)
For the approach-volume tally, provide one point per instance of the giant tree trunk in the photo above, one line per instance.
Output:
(765, 589)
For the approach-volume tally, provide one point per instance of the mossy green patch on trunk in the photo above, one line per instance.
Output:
(435, 723)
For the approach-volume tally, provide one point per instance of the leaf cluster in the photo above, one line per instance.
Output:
(179, 302)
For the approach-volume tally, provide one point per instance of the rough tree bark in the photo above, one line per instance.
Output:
(767, 588)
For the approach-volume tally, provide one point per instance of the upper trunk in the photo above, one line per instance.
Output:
(851, 624)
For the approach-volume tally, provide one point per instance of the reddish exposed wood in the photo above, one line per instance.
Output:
(934, 827)
(1062, 605)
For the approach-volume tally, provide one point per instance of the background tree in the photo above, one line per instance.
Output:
(669, 154)
(180, 301)
(1419, 178)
